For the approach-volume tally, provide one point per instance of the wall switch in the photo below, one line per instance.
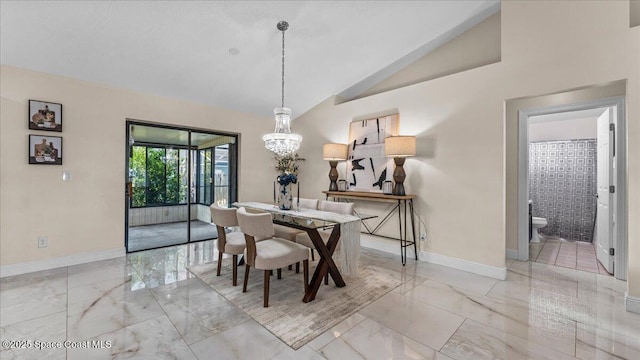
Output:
(42, 241)
(423, 236)
(66, 175)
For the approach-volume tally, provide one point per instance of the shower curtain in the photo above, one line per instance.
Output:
(562, 185)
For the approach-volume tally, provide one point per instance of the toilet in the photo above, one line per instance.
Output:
(537, 223)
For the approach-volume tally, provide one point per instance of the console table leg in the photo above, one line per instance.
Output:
(403, 248)
(413, 229)
(406, 239)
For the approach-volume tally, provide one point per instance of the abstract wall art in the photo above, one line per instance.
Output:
(367, 165)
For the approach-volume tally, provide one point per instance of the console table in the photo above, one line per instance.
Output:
(400, 201)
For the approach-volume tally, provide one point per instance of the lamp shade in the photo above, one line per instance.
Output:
(334, 152)
(400, 146)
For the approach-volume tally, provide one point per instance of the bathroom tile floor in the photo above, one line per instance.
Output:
(148, 306)
(577, 255)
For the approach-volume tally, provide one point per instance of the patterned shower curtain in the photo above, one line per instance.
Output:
(562, 185)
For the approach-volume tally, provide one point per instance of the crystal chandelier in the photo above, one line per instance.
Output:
(282, 141)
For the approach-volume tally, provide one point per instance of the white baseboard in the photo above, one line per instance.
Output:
(494, 272)
(393, 247)
(512, 254)
(631, 303)
(385, 245)
(67, 260)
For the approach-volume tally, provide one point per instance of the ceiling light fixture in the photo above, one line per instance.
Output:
(282, 141)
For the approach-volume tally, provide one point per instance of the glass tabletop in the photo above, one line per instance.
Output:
(299, 222)
(305, 218)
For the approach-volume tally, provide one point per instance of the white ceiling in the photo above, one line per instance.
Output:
(181, 49)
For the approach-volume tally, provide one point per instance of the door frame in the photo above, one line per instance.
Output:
(621, 241)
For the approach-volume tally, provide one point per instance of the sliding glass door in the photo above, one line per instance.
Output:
(213, 172)
(174, 174)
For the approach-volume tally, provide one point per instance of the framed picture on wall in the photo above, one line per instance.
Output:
(45, 150)
(367, 166)
(46, 116)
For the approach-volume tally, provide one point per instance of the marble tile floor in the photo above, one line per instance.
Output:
(149, 306)
(577, 255)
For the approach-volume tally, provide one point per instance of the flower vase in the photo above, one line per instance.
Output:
(285, 197)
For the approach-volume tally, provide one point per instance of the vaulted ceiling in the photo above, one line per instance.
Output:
(228, 54)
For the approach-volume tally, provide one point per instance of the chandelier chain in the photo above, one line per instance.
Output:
(282, 68)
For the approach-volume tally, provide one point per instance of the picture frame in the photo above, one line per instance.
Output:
(45, 150)
(367, 165)
(45, 116)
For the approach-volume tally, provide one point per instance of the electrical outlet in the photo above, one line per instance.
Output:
(42, 241)
(423, 236)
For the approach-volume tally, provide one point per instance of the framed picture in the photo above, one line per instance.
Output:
(45, 116)
(45, 150)
(367, 166)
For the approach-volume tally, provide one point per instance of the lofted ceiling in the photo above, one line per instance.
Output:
(228, 54)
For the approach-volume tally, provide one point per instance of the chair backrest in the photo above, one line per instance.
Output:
(223, 217)
(311, 204)
(260, 226)
(336, 207)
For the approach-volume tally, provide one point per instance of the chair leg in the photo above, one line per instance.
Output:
(246, 277)
(266, 288)
(298, 267)
(326, 279)
(279, 274)
(313, 257)
(305, 270)
(235, 270)
(219, 263)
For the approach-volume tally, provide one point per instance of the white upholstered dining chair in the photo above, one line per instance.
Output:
(288, 233)
(228, 243)
(265, 252)
(331, 206)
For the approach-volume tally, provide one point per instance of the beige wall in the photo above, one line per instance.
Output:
(87, 213)
(467, 139)
(480, 45)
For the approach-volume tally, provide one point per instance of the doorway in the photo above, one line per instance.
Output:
(174, 175)
(595, 189)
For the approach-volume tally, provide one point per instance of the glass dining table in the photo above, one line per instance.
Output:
(344, 228)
